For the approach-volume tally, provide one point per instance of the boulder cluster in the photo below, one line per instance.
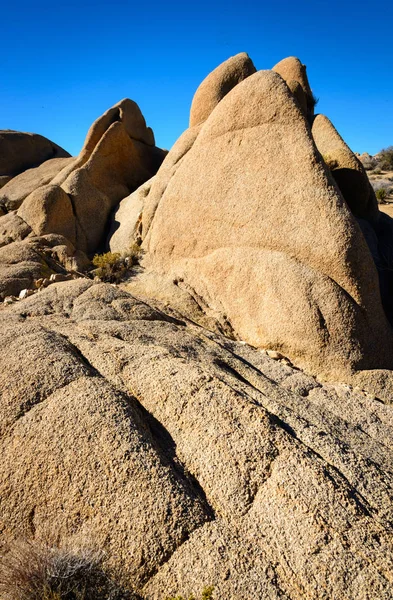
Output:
(223, 416)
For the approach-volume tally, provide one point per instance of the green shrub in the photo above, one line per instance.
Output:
(112, 267)
(34, 571)
(385, 159)
(381, 194)
(207, 594)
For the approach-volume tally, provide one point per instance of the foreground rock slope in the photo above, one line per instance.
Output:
(191, 459)
(223, 416)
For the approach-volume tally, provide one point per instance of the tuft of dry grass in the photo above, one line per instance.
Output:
(36, 571)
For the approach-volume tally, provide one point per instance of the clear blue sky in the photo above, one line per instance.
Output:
(65, 63)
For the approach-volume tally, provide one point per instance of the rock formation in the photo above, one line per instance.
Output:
(254, 222)
(118, 156)
(12, 196)
(20, 151)
(126, 223)
(74, 197)
(181, 421)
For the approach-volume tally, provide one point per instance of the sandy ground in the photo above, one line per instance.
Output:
(387, 208)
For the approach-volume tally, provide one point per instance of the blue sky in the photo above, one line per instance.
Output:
(64, 64)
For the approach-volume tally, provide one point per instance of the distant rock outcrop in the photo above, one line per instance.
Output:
(20, 151)
(118, 156)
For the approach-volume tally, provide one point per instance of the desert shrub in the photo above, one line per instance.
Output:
(207, 594)
(382, 189)
(385, 159)
(381, 194)
(112, 267)
(34, 571)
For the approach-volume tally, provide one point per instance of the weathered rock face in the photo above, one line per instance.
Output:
(169, 167)
(241, 233)
(21, 151)
(13, 194)
(4, 179)
(49, 210)
(294, 72)
(346, 169)
(299, 95)
(217, 84)
(23, 262)
(190, 459)
(126, 223)
(351, 178)
(13, 229)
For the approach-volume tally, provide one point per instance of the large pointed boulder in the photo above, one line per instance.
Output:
(210, 92)
(254, 224)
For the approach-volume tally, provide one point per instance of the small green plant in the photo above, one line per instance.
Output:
(330, 162)
(39, 571)
(207, 594)
(113, 266)
(381, 194)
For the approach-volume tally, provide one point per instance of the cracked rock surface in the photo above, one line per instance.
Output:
(190, 458)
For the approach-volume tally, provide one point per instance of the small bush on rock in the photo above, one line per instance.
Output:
(330, 162)
(207, 594)
(112, 267)
(33, 571)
